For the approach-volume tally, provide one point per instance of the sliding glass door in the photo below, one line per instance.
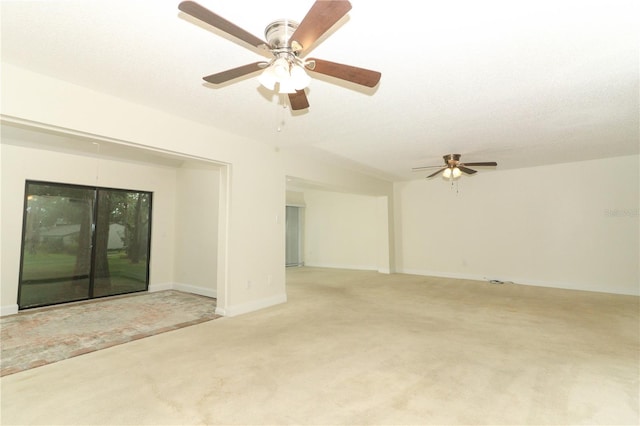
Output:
(82, 242)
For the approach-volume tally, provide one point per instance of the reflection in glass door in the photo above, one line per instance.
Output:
(122, 242)
(82, 242)
(56, 248)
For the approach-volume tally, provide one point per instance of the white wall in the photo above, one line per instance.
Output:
(196, 245)
(341, 230)
(322, 171)
(569, 225)
(21, 163)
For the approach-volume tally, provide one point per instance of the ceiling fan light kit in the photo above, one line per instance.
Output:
(453, 167)
(285, 69)
(452, 173)
(288, 42)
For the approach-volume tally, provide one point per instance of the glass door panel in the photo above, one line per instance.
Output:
(57, 244)
(122, 242)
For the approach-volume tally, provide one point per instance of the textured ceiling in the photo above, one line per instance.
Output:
(523, 83)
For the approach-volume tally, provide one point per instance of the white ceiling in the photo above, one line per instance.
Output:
(523, 83)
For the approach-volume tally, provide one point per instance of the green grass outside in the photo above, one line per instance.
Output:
(41, 266)
(125, 277)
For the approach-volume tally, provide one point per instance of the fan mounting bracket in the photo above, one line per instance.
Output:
(279, 32)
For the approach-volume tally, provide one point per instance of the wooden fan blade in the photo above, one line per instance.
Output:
(356, 75)
(205, 15)
(298, 100)
(439, 171)
(322, 16)
(227, 75)
(484, 163)
(466, 170)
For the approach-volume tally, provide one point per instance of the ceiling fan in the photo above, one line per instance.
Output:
(454, 168)
(287, 43)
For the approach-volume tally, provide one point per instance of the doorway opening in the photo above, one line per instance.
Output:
(294, 236)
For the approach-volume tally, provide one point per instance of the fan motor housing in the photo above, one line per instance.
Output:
(451, 159)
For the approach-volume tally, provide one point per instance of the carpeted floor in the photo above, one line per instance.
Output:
(361, 348)
(38, 337)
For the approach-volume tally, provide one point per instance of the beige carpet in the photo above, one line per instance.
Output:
(362, 348)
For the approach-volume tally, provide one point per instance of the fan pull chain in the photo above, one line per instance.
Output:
(280, 113)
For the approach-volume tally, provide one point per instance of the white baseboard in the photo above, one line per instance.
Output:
(8, 310)
(341, 266)
(160, 287)
(245, 308)
(352, 267)
(516, 280)
(444, 274)
(188, 288)
(579, 287)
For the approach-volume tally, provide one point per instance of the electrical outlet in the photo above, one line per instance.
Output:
(269, 279)
(249, 284)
